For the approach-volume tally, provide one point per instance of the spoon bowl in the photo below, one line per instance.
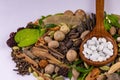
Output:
(99, 32)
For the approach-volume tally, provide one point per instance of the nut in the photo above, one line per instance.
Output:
(112, 30)
(71, 55)
(53, 44)
(49, 69)
(59, 36)
(43, 63)
(64, 28)
(118, 39)
(47, 39)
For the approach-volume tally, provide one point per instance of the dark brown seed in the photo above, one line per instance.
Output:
(74, 35)
(77, 43)
(69, 43)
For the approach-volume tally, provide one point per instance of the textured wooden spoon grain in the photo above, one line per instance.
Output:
(99, 31)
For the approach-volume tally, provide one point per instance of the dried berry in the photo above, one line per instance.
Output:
(11, 42)
(63, 71)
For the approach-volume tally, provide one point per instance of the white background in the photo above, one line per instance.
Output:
(17, 13)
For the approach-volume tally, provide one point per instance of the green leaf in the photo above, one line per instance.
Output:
(77, 62)
(42, 18)
(82, 76)
(107, 25)
(70, 74)
(114, 20)
(83, 70)
(26, 37)
(50, 25)
(42, 32)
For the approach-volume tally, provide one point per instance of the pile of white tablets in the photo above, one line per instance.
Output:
(98, 49)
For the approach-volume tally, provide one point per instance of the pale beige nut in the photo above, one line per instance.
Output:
(118, 39)
(71, 55)
(49, 69)
(112, 30)
(59, 36)
(64, 28)
(53, 44)
(114, 68)
(47, 39)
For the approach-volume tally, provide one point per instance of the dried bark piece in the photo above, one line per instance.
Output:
(41, 53)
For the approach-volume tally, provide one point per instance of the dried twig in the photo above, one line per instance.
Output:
(39, 53)
(28, 59)
(53, 51)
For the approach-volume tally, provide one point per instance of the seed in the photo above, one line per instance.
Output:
(54, 75)
(30, 69)
(47, 75)
(35, 74)
(105, 68)
(86, 65)
(59, 78)
(40, 78)
(15, 48)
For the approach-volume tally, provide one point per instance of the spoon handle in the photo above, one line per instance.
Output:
(100, 14)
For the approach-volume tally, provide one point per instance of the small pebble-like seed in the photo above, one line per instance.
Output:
(118, 39)
(40, 78)
(35, 74)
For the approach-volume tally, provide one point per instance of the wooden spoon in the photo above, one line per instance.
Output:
(99, 31)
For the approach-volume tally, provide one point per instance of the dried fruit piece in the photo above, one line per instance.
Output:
(93, 74)
(43, 63)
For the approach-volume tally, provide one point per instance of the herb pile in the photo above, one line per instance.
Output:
(49, 47)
